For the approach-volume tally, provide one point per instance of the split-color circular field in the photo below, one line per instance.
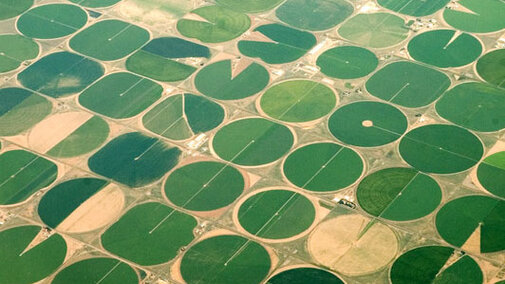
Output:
(435, 264)
(250, 6)
(304, 275)
(30, 257)
(377, 30)
(220, 80)
(491, 67)
(367, 124)
(408, 84)
(278, 44)
(353, 244)
(414, 8)
(182, 116)
(491, 174)
(52, 21)
(323, 167)
(252, 141)
(204, 186)
(12, 8)
(276, 214)
(97, 270)
(475, 223)
(314, 15)
(20, 110)
(109, 40)
(225, 259)
(441, 149)
(475, 106)
(298, 101)
(347, 62)
(218, 24)
(445, 48)
(95, 3)
(149, 234)
(14, 50)
(61, 74)
(23, 174)
(477, 16)
(120, 95)
(399, 194)
(134, 159)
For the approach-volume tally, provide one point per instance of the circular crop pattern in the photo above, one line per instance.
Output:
(491, 67)
(10, 8)
(476, 16)
(347, 62)
(14, 50)
(97, 270)
(414, 8)
(303, 275)
(95, 3)
(491, 173)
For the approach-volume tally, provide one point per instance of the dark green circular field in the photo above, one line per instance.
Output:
(204, 186)
(399, 194)
(491, 67)
(14, 50)
(367, 124)
(322, 167)
(481, 16)
(13, 8)
(491, 173)
(347, 62)
(95, 3)
(97, 270)
(304, 275)
(250, 6)
(441, 149)
(414, 8)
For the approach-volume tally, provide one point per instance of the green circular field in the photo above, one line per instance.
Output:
(14, 50)
(226, 259)
(298, 101)
(435, 264)
(491, 67)
(347, 62)
(183, 116)
(61, 74)
(475, 223)
(221, 24)
(491, 173)
(252, 141)
(95, 3)
(276, 214)
(324, 14)
(445, 48)
(304, 275)
(52, 21)
(441, 149)
(414, 8)
(378, 30)
(219, 81)
(21, 109)
(97, 270)
(367, 124)
(399, 194)
(204, 186)
(250, 6)
(408, 84)
(160, 232)
(477, 16)
(323, 167)
(475, 106)
(29, 264)
(12, 8)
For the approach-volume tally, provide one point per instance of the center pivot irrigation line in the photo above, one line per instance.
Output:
(322, 167)
(299, 100)
(19, 171)
(399, 91)
(108, 273)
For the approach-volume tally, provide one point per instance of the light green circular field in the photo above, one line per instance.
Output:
(249, 6)
(477, 16)
(12, 8)
(95, 3)
(14, 50)
(97, 270)
(491, 67)
(347, 62)
(491, 173)
(414, 8)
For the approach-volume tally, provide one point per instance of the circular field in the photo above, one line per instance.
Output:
(23, 174)
(134, 159)
(252, 141)
(220, 81)
(445, 48)
(81, 205)
(250, 6)
(323, 15)
(435, 264)
(14, 50)
(414, 8)
(323, 167)
(491, 67)
(305, 275)
(29, 262)
(276, 214)
(97, 270)
(20, 110)
(225, 259)
(475, 106)
(477, 16)
(183, 116)
(399, 194)
(378, 30)
(52, 21)
(109, 40)
(120, 95)
(160, 232)
(441, 149)
(95, 3)
(12, 8)
(408, 84)
(474, 223)
(367, 124)
(353, 245)
(347, 62)
(491, 174)
(220, 24)
(204, 186)
(61, 74)
(298, 101)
